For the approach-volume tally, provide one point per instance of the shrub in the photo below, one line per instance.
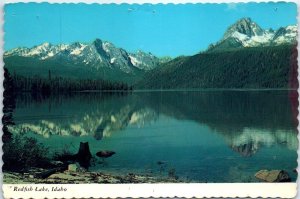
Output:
(22, 153)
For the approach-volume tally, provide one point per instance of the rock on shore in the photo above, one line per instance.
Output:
(273, 176)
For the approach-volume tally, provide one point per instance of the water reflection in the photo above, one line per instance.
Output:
(247, 121)
(249, 141)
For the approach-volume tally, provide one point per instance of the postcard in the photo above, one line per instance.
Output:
(150, 100)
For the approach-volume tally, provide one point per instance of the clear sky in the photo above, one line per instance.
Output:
(164, 30)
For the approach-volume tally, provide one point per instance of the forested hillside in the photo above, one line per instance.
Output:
(255, 67)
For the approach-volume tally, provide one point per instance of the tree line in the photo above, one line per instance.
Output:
(55, 85)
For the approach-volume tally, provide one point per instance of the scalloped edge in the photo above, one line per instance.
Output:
(220, 190)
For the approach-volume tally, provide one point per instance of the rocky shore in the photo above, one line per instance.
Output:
(74, 177)
(80, 176)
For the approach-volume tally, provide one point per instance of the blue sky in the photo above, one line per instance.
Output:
(164, 30)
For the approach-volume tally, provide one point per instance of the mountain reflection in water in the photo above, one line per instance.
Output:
(245, 121)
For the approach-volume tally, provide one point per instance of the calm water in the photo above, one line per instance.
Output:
(203, 136)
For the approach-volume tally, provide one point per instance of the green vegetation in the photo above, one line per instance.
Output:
(259, 67)
(9, 104)
(46, 86)
(22, 152)
(19, 151)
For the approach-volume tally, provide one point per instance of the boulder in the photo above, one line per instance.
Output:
(73, 167)
(76, 168)
(105, 154)
(273, 176)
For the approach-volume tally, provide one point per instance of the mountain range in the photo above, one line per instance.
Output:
(103, 60)
(246, 33)
(97, 60)
(96, 54)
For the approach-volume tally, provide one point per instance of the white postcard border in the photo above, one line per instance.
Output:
(187, 190)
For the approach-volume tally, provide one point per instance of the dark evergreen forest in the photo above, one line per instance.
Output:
(258, 67)
(57, 85)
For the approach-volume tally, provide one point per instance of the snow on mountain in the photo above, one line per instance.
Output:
(246, 27)
(98, 123)
(247, 33)
(96, 54)
(144, 61)
(134, 61)
(283, 35)
(78, 50)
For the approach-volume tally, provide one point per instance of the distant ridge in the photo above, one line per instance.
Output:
(246, 33)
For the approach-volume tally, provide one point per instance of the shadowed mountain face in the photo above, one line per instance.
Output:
(247, 121)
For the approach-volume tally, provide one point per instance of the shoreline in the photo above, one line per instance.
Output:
(85, 177)
(72, 177)
(185, 90)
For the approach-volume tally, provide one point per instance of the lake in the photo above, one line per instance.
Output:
(198, 136)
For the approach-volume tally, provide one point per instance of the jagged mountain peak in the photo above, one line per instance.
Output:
(244, 26)
(247, 33)
(102, 44)
(97, 42)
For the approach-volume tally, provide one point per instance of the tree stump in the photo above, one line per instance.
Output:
(84, 155)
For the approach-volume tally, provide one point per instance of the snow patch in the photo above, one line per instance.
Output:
(112, 60)
(254, 40)
(280, 39)
(50, 54)
(63, 47)
(292, 28)
(33, 52)
(262, 39)
(106, 46)
(78, 51)
(240, 36)
(134, 60)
